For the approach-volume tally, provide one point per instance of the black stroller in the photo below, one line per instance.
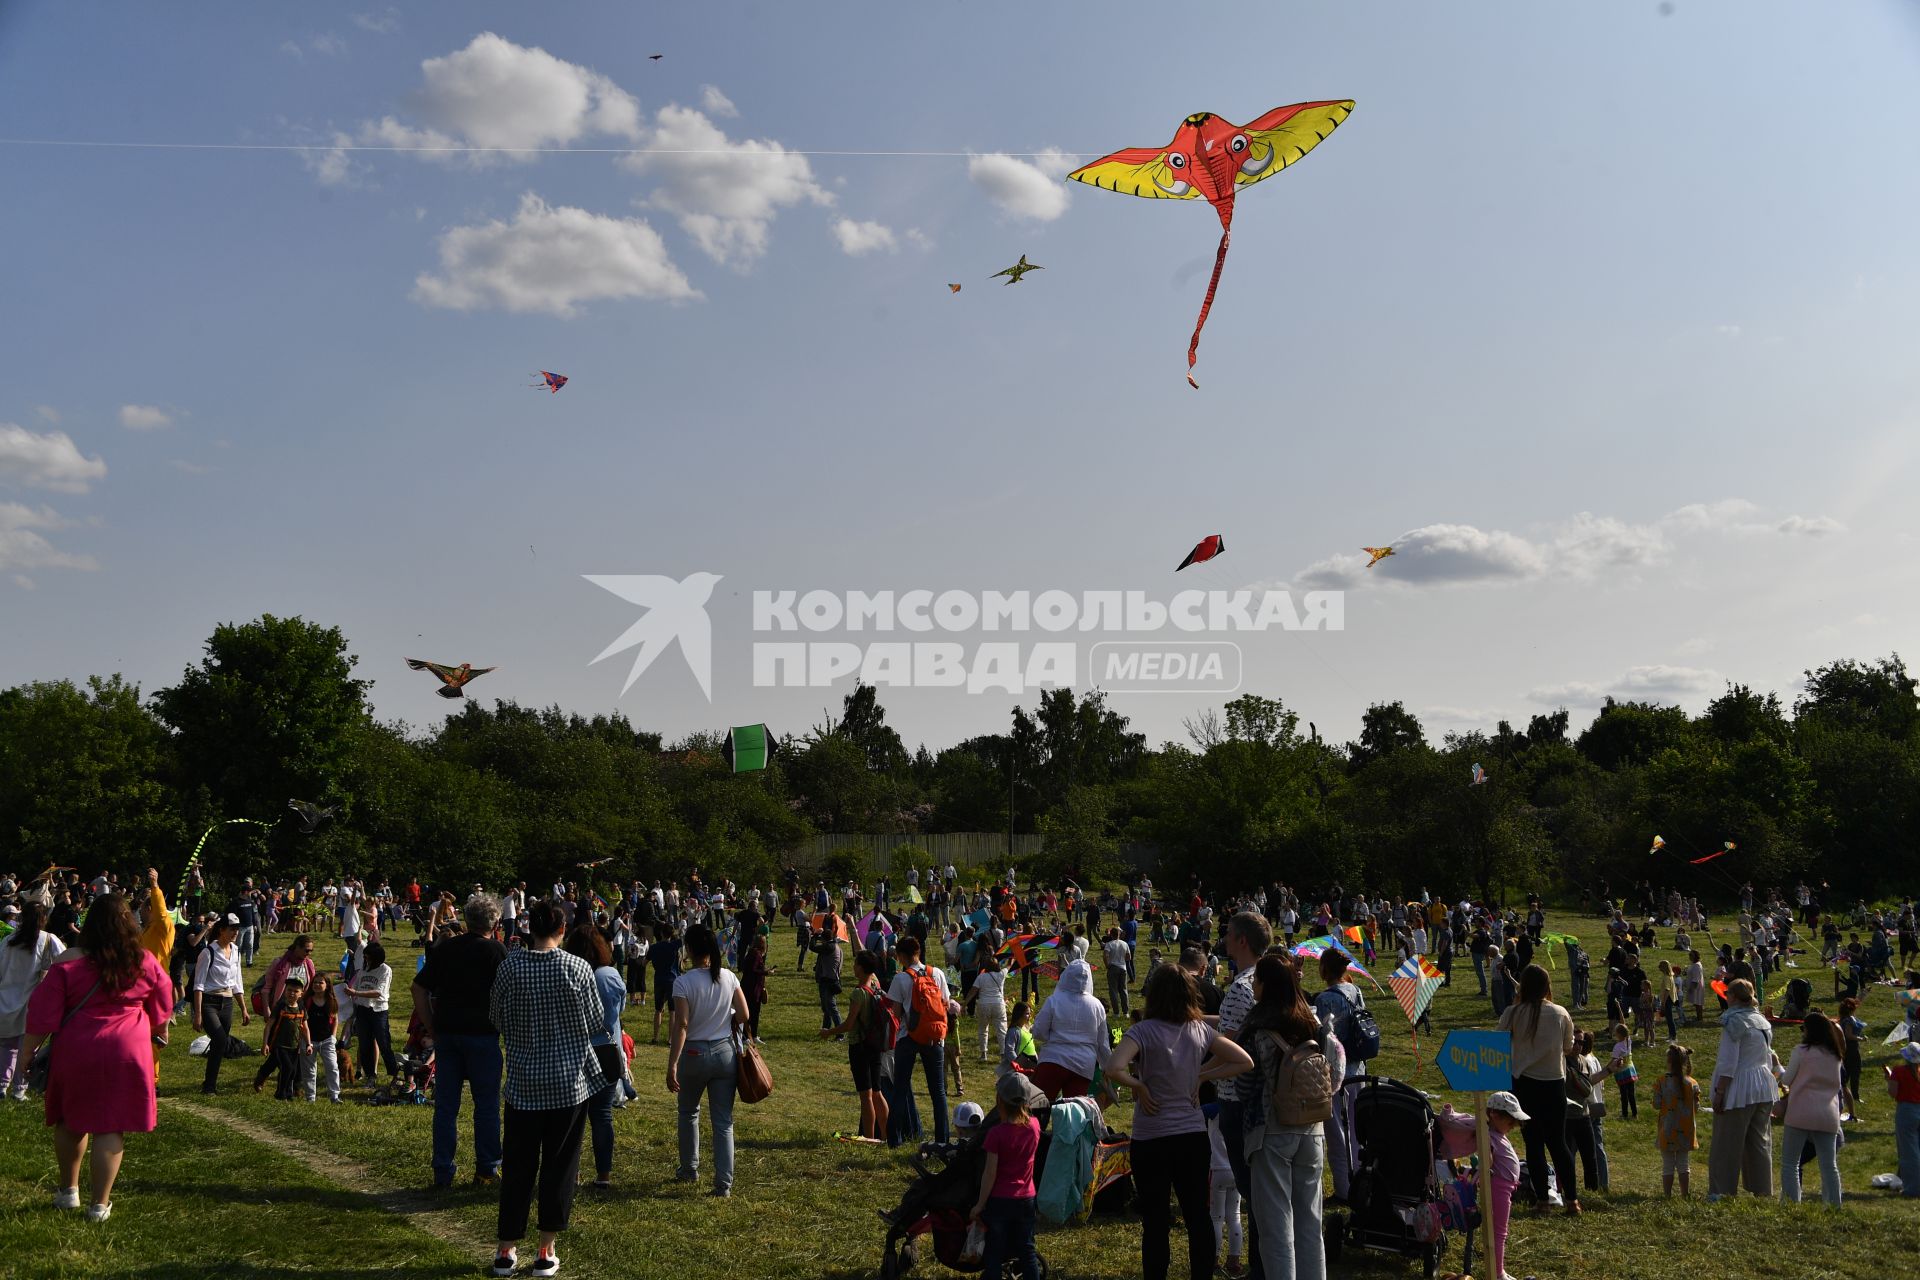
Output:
(936, 1204)
(1394, 1200)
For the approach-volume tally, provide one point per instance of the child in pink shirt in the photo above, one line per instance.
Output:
(1006, 1204)
(1503, 1117)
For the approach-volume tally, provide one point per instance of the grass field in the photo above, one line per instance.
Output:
(197, 1198)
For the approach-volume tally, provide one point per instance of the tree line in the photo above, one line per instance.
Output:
(100, 776)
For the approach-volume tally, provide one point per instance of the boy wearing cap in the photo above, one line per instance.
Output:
(1503, 1117)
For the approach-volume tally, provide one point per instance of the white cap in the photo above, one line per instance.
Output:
(967, 1115)
(1506, 1102)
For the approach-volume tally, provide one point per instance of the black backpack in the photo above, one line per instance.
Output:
(1356, 1030)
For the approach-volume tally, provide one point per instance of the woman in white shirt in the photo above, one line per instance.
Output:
(709, 1009)
(1743, 1097)
(988, 994)
(370, 988)
(216, 986)
(24, 958)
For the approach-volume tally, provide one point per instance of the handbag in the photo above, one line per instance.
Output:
(755, 1081)
(40, 1068)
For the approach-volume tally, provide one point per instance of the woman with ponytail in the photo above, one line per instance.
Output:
(709, 1010)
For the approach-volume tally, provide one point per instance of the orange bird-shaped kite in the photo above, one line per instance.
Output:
(1377, 553)
(452, 679)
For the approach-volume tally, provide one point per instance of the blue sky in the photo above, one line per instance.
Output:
(1604, 314)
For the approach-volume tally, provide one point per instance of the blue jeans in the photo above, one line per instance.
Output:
(1480, 971)
(1826, 1148)
(1233, 1137)
(1599, 1124)
(707, 1066)
(473, 1061)
(1906, 1144)
(933, 1058)
(1009, 1223)
(1287, 1197)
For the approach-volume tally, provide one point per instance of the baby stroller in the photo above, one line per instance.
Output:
(1394, 1198)
(936, 1204)
(413, 1085)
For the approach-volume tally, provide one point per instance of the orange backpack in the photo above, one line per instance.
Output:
(927, 1018)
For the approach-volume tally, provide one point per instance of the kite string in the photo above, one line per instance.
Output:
(459, 149)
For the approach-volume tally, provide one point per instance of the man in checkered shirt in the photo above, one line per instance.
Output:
(547, 1007)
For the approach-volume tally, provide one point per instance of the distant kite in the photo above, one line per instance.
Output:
(1214, 158)
(550, 382)
(1479, 775)
(1376, 554)
(953, 288)
(452, 679)
(655, 57)
(1658, 845)
(1013, 273)
(1207, 548)
(1726, 847)
(311, 815)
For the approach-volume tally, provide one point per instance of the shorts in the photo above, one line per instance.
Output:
(662, 995)
(636, 977)
(1672, 1162)
(865, 1064)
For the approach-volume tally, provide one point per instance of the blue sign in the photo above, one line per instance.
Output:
(1477, 1061)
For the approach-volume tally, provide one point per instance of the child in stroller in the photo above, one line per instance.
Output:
(413, 1083)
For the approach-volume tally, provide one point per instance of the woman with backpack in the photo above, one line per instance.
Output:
(1297, 1067)
(1542, 1038)
(870, 1029)
(1342, 1011)
(1165, 1058)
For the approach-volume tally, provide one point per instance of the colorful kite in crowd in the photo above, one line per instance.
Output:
(1726, 847)
(312, 815)
(1012, 273)
(1479, 776)
(452, 679)
(550, 382)
(1414, 983)
(1376, 554)
(1204, 550)
(748, 748)
(193, 859)
(1214, 158)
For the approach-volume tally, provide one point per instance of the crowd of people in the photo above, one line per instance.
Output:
(1232, 1064)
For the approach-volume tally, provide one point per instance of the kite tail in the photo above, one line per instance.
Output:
(1206, 305)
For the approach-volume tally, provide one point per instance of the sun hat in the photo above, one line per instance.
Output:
(1506, 1102)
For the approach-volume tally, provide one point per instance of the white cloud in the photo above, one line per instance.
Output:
(191, 468)
(23, 547)
(326, 44)
(1460, 715)
(47, 413)
(918, 238)
(1811, 526)
(144, 417)
(725, 194)
(332, 166)
(1025, 189)
(1658, 683)
(550, 260)
(383, 23)
(857, 238)
(495, 93)
(716, 103)
(1695, 647)
(49, 461)
(1584, 546)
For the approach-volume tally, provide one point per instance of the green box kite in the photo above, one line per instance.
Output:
(749, 747)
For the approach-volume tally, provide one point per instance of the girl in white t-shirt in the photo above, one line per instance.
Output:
(988, 998)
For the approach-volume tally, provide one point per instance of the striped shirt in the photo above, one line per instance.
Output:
(547, 1008)
(1234, 1007)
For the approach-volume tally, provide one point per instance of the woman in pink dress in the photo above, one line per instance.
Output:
(100, 1085)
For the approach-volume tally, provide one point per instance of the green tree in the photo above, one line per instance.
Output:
(1079, 840)
(82, 779)
(1386, 728)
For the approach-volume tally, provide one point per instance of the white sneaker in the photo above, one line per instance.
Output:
(67, 1198)
(505, 1262)
(99, 1212)
(546, 1264)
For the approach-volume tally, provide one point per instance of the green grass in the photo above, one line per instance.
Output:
(194, 1200)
